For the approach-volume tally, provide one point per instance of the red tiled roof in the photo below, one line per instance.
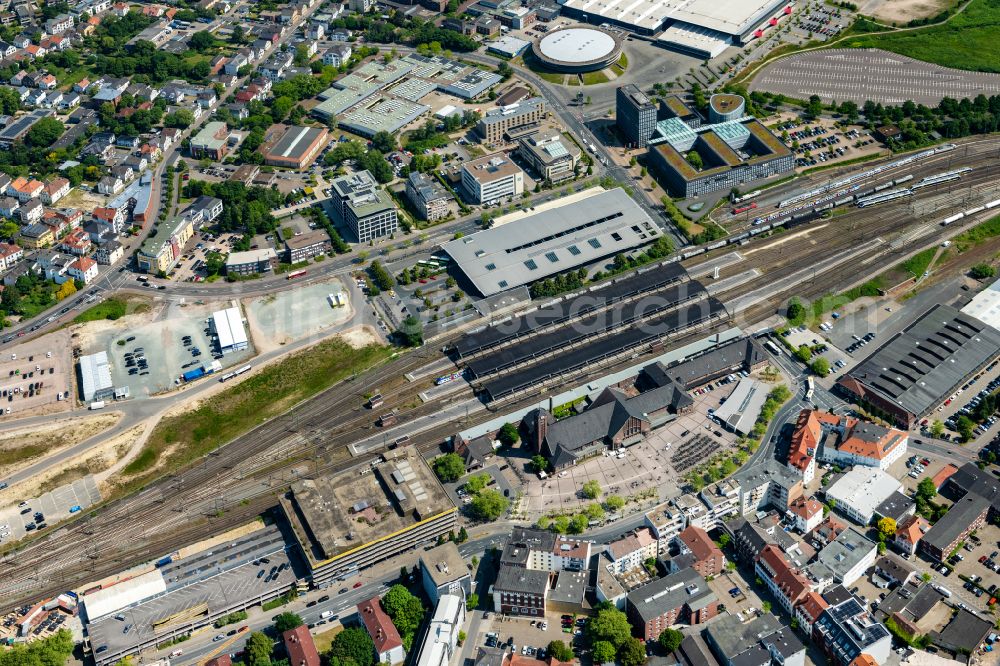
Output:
(912, 529)
(300, 647)
(812, 604)
(805, 508)
(221, 660)
(789, 581)
(943, 475)
(379, 626)
(864, 659)
(700, 544)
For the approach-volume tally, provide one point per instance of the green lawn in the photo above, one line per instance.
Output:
(113, 308)
(968, 41)
(978, 234)
(918, 263)
(590, 78)
(242, 407)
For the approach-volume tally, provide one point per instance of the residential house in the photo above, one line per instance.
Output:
(10, 254)
(112, 219)
(83, 269)
(110, 185)
(338, 54)
(388, 645)
(109, 252)
(909, 533)
(30, 211)
(706, 558)
(76, 242)
(846, 630)
(808, 514)
(680, 598)
(9, 206)
(784, 581)
(808, 610)
(632, 550)
(762, 641)
(300, 647)
(23, 189)
(54, 190)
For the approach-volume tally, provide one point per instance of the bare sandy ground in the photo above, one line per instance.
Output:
(50, 438)
(361, 336)
(903, 11)
(93, 461)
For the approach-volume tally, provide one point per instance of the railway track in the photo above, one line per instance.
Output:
(244, 478)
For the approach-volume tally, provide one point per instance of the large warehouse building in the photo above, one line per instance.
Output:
(293, 147)
(552, 241)
(919, 367)
(227, 325)
(95, 377)
(347, 522)
(699, 24)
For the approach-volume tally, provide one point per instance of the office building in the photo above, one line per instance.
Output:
(428, 196)
(860, 491)
(845, 631)
(444, 571)
(492, 179)
(965, 516)
(635, 115)
(363, 207)
(680, 598)
(212, 142)
(550, 155)
(514, 119)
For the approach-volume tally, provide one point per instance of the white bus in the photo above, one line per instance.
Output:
(810, 387)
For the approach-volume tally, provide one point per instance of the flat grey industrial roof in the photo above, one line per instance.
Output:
(519, 579)
(552, 241)
(742, 407)
(665, 594)
(295, 142)
(921, 365)
(962, 514)
(730, 17)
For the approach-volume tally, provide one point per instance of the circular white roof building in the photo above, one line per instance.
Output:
(578, 49)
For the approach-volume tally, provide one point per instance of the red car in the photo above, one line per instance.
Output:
(925, 461)
(982, 559)
(357, 585)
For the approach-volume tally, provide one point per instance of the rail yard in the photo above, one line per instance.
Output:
(244, 478)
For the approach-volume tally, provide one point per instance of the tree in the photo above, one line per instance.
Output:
(926, 490)
(44, 133)
(982, 271)
(694, 159)
(238, 35)
(886, 528)
(670, 639)
(820, 366)
(592, 489)
(463, 535)
(937, 428)
(380, 276)
(603, 652)
(578, 523)
(471, 601)
(352, 646)
(796, 312)
(614, 502)
(765, 606)
(723, 540)
(285, 621)
(384, 142)
(508, 434)
(965, 426)
(66, 289)
(560, 651)
(202, 40)
(488, 505)
(449, 467)
(476, 483)
(405, 611)
(803, 353)
(611, 625)
(539, 463)
(633, 653)
(815, 106)
(258, 649)
(411, 332)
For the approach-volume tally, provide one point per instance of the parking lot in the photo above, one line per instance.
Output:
(879, 76)
(54, 506)
(527, 635)
(35, 375)
(290, 315)
(160, 343)
(821, 141)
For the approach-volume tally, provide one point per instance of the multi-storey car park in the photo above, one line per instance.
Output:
(348, 521)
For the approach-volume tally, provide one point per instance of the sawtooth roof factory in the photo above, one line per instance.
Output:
(703, 28)
(552, 241)
(919, 367)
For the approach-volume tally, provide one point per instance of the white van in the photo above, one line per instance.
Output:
(326, 614)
